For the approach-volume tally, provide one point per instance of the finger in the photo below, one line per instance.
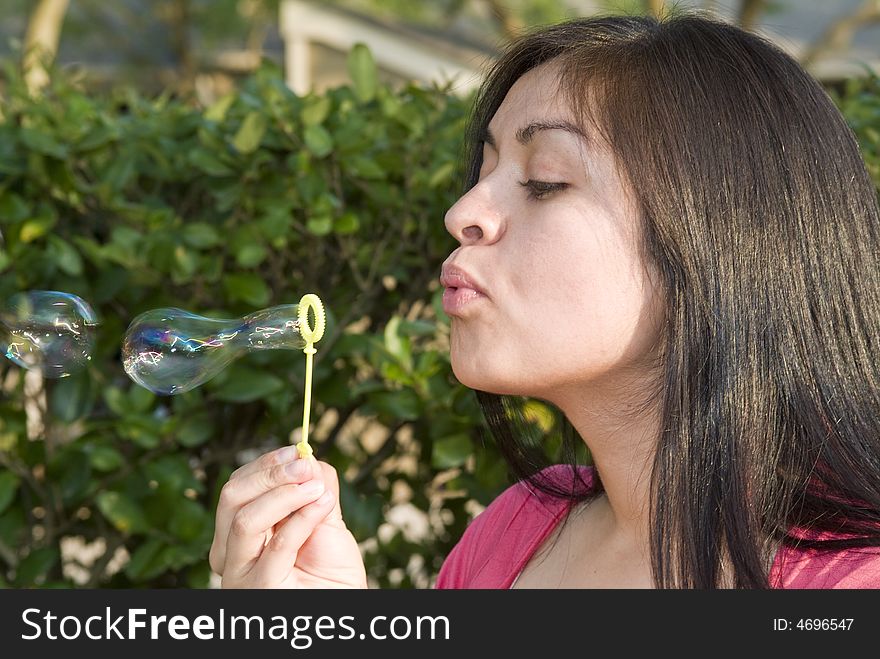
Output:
(331, 480)
(247, 533)
(279, 555)
(241, 491)
(270, 459)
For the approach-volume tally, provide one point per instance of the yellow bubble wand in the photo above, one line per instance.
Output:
(311, 336)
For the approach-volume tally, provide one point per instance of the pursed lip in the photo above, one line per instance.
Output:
(461, 290)
(454, 277)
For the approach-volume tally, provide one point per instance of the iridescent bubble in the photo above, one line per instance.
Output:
(50, 331)
(171, 350)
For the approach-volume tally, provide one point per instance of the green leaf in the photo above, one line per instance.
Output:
(362, 69)
(246, 384)
(105, 458)
(316, 110)
(185, 264)
(122, 170)
(188, 520)
(116, 400)
(347, 223)
(251, 132)
(8, 487)
(97, 137)
(276, 222)
(364, 167)
(201, 235)
(72, 475)
(363, 514)
(320, 226)
(13, 208)
(140, 399)
(538, 413)
(208, 162)
(43, 142)
(123, 512)
(126, 237)
(451, 451)
(172, 475)
(36, 228)
(14, 530)
(65, 256)
(318, 140)
(250, 255)
(443, 174)
(247, 287)
(72, 398)
(195, 430)
(398, 345)
(33, 570)
(143, 563)
(417, 328)
(217, 111)
(141, 429)
(198, 577)
(401, 405)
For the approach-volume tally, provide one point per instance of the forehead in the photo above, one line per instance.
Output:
(535, 96)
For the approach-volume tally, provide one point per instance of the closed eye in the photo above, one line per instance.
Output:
(541, 189)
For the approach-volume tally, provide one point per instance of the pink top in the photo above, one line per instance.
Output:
(499, 542)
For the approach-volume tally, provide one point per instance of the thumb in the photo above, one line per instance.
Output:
(331, 483)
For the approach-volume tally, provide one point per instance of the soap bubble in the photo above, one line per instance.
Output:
(170, 350)
(49, 331)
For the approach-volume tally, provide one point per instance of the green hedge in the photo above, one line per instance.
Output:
(136, 203)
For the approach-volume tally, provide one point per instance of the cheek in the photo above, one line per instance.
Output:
(585, 309)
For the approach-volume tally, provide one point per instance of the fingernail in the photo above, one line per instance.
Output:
(312, 488)
(298, 468)
(287, 454)
(325, 498)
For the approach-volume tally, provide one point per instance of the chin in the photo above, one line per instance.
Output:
(466, 372)
(473, 377)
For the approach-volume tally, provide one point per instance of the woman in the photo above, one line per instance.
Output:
(669, 234)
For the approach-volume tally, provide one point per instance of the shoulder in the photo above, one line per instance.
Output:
(499, 540)
(815, 569)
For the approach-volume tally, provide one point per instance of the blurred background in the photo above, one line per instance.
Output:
(225, 156)
(205, 46)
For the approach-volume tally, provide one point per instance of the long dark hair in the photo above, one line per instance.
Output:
(760, 215)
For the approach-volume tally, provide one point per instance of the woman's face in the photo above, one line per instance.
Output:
(547, 291)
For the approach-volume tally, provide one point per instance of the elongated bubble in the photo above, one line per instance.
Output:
(50, 331)
(171, 350)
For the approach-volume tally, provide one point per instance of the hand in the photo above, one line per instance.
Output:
(279, 525)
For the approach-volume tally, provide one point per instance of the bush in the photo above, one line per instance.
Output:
(134, 204)
(859, 100)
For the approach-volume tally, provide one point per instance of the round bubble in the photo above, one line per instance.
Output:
(49, 331)
(170, 350)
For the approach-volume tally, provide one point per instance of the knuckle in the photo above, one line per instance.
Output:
(273, 477)
(279, 543)
(242, 524)
(270, 459)
(228, 494)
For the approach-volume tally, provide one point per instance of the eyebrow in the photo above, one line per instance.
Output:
(524, 135)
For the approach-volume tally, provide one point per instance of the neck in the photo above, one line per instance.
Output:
(622, 438)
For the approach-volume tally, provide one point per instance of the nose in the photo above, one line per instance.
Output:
(475, 218)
